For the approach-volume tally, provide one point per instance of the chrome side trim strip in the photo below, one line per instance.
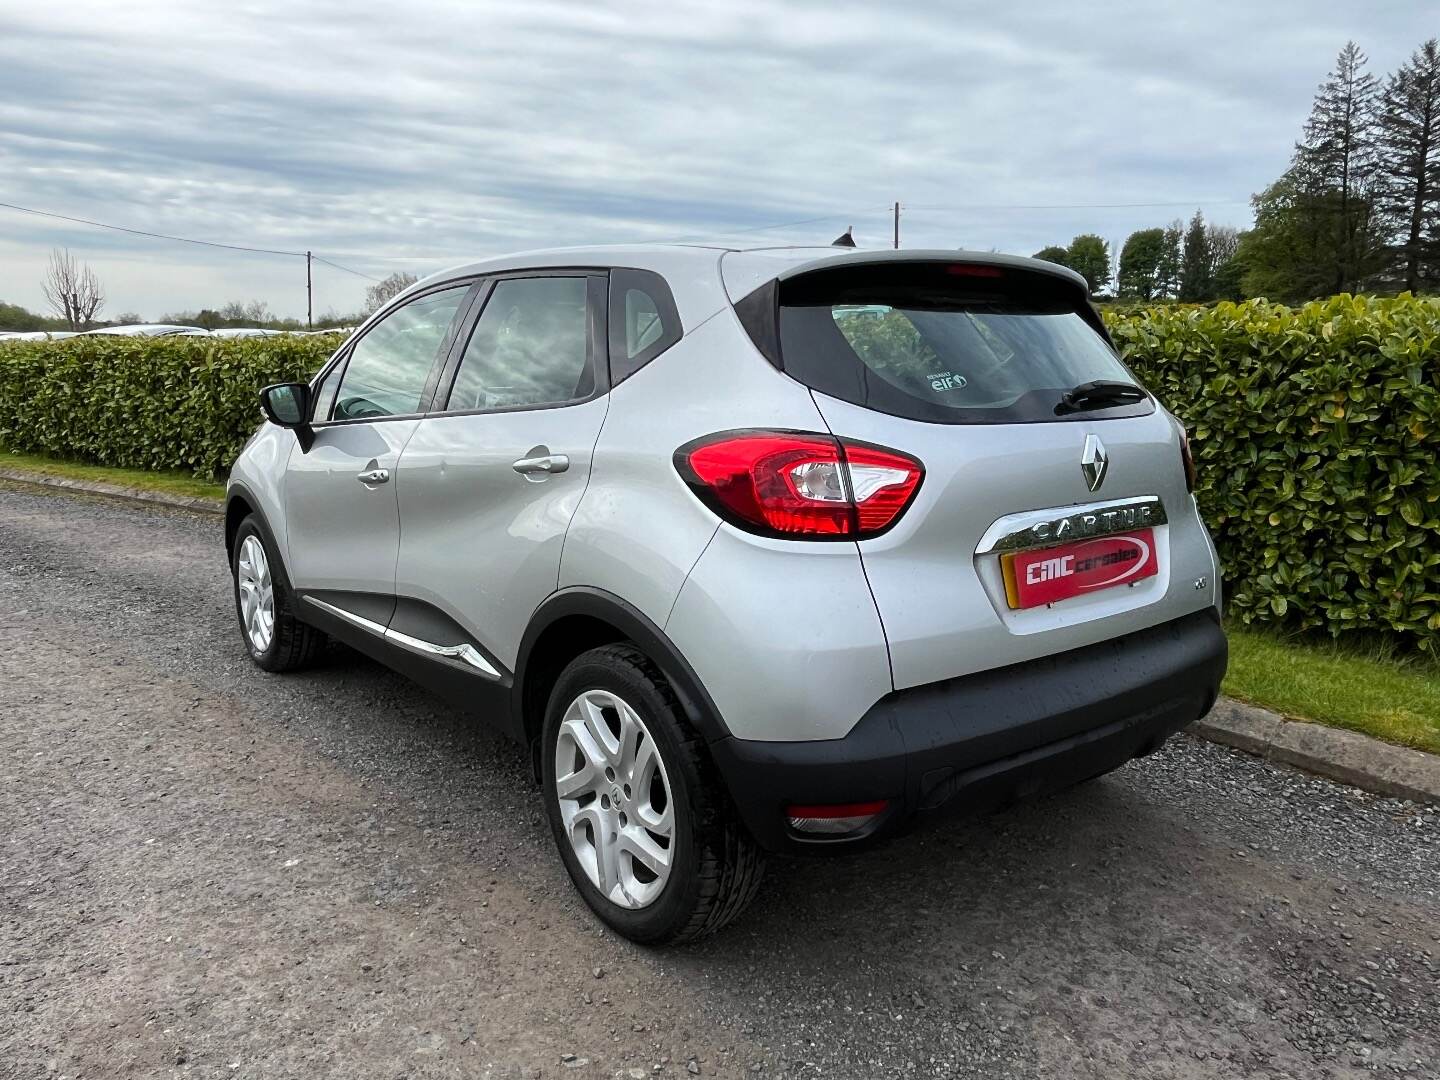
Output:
(465, 654)
(1042, 528)
(349, 616)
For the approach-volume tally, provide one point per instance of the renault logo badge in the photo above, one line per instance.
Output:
(1094, 461)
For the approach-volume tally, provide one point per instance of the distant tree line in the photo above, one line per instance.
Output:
(1357, 210)
(76, 297)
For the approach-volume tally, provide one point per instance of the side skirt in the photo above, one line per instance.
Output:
(455, 669)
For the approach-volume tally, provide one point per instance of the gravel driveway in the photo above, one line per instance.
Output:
(207, 871)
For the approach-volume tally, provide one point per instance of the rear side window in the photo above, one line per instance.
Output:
(947, 344)
(643, 320)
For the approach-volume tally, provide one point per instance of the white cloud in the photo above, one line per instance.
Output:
(407, 136)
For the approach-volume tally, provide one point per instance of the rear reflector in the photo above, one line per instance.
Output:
(836, 819)
(800, 485)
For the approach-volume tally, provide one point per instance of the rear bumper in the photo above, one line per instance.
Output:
(982, 741)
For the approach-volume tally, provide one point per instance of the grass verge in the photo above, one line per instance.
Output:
(1369, 690)
(171, 482)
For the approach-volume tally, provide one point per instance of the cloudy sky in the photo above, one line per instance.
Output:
(411, 136)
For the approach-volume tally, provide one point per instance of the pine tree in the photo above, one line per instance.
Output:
(1409, 163)
(1335, 169)
(1196, 270)
(1167, 278)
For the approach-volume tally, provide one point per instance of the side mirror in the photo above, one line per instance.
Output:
(287, 405)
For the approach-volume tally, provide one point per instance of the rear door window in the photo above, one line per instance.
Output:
(531, 347)
(927, 343)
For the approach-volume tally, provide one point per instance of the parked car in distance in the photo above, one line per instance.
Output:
(244, 332)
(36, 335)
(151, 330)
(752, 550)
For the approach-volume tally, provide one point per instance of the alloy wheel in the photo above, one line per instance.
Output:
(257, 594)
(615, 799)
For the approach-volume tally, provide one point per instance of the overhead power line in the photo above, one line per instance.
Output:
(180, 239)
(152, 235)
(308, 256)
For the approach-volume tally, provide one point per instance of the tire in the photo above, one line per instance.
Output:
(290, 644)
(714, 867)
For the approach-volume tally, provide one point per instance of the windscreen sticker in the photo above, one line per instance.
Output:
(947, 380)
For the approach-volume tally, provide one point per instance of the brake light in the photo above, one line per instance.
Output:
(973, 270)
(1188, 459)
(800, 485)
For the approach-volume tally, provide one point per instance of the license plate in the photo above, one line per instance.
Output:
(1033, 578)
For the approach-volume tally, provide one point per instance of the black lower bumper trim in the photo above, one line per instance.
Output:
(982, 741)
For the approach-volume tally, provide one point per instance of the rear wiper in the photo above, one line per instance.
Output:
(1098, 395)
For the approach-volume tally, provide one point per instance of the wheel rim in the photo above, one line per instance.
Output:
(257, 594)
(615, 799)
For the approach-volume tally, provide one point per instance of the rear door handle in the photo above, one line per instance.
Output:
(373, 476)
(542, 463)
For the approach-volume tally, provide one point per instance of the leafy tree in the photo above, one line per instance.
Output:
(1229, 279)
(1197, 267)
(1089, 256)
(15, 317)
(1054, 253)
(1227, 272)
(1140, 264)
(380, 293)
(1409, 163)
(1335, 167)
(1222, 241)
(1282, 255)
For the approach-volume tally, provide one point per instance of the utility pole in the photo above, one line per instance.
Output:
(897, 226)
(309, 297)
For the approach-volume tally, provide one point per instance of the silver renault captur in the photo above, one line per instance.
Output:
(753, 550)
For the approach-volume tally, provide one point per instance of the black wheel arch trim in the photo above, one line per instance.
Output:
(636, 626)
(238, 491)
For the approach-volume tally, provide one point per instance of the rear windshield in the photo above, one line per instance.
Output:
(962, 344)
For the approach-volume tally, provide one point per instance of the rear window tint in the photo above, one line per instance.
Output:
(930, 342)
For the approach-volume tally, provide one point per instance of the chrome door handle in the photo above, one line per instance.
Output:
(373, 476)
(544, 463)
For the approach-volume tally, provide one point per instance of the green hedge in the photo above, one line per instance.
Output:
(145, 403)
(1316, 432)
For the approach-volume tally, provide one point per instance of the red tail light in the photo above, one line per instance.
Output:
(800, 485)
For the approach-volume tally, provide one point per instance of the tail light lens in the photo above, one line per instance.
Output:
(1188, 459)
(837, 819)
(800, 485)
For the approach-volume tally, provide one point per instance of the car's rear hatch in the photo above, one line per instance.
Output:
(964, 363)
